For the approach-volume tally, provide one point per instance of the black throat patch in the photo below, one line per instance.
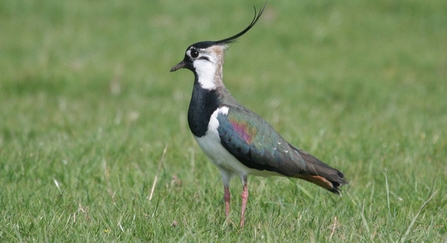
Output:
(203, 103)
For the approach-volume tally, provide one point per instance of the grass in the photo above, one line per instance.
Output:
(88, 106)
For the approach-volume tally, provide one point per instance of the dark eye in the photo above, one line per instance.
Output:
(194, 53)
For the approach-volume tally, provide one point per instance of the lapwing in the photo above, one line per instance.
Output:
(237, 140)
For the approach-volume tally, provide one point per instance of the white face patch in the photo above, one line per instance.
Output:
(208, 66)
(206, 71)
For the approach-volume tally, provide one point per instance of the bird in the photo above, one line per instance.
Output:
(237, 140)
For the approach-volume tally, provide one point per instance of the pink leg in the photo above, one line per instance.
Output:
(244, 202)
(227, 201)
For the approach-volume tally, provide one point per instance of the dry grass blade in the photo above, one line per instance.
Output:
(334, 226)
(158, 171)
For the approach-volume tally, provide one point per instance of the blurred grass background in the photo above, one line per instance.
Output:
(88, 105)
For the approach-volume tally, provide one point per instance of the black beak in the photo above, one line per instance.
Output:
(181, 64)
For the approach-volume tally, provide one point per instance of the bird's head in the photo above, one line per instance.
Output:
(206, 57)
(202, 55)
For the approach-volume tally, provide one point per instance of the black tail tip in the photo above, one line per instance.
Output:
(336, 186)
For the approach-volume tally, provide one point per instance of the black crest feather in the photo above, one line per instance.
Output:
(253, 22)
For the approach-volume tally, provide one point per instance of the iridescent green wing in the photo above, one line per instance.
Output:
(256, 144)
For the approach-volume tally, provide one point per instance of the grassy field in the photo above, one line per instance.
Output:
(88, 106)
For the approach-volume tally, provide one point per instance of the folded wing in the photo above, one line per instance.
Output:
(257, 145)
